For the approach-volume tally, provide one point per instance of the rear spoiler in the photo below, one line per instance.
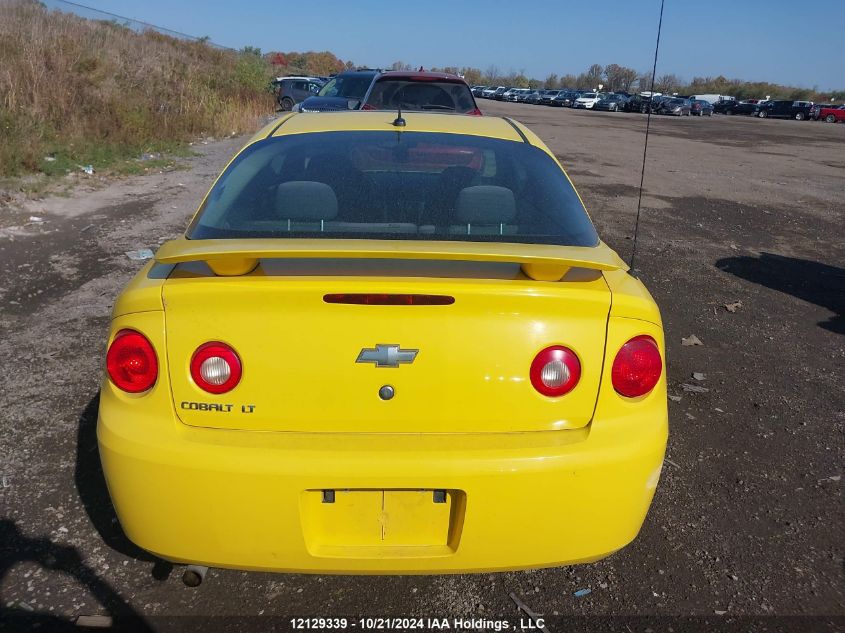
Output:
(542, 262)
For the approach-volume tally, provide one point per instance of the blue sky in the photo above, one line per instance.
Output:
(758, 40)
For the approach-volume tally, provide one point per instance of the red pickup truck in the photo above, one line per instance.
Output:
(831, 114)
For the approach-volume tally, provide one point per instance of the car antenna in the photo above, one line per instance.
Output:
(399, 121)
(645, 146)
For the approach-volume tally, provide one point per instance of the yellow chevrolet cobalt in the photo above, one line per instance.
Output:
(386, 344)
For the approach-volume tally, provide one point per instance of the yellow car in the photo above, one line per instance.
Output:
(385, 344)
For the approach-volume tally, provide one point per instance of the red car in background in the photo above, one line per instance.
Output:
(831, 114)
(420, 91)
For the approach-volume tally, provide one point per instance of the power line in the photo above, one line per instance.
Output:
(155, 27)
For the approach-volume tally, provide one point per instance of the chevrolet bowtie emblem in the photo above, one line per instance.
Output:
(386, 355)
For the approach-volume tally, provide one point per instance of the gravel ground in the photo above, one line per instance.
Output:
(746, 526)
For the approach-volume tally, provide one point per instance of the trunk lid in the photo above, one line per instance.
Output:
(314, 366)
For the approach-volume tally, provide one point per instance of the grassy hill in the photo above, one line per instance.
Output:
(84, 91)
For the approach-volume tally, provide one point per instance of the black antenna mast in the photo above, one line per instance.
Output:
(645, 146)
(399, 121)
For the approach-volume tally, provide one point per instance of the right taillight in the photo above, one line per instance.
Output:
(637, 367)
(131, 362)
(216, 368)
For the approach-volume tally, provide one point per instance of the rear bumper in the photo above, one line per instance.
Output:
(244, 499)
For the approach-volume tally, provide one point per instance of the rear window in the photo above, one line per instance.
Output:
(390, 94)
(350, 86)
(395, 185)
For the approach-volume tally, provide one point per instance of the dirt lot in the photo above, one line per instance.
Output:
(748, 516)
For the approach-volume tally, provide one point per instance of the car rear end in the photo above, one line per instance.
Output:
(398, 382)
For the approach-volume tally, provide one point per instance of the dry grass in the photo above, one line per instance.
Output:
(87, 91)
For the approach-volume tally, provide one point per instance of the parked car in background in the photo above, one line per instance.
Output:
(534, 97)
(713, 99)
(548, 95)
(611, 103)
(515, 94)
(501, 90)
(747, 108)
(736, 107)
(421, 91)
(477, 90)
(785, 109)
(506, 95)
(565, 98)
(523, 96)
(588, 100)
(830, 114)
(343, 92)
(488, 92)
(674, 106)
(292, 90)
(700, 107)
(643, 103)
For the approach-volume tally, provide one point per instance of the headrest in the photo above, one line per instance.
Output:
(485, 204)
(305, 200)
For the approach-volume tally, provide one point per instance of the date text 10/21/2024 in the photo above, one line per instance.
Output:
(420, 624)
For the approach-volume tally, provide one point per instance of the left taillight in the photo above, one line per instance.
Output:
(131, 362)
(475, 112)
(555, 371)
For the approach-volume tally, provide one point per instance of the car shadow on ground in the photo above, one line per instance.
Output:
(91, 485)
(808, 280)
(16, 548)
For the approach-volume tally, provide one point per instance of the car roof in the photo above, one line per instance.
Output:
(382, 120)
(359, 71)
(420, 76)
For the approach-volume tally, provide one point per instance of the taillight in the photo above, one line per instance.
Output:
(131, 362)
(215, 367)
(637, 367)
(475, 112)
(368, 106)
(555, 371)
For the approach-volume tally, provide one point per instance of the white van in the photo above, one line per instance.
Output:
(713, 99)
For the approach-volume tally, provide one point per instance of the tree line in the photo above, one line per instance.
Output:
(613, 78)
(618, 78)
